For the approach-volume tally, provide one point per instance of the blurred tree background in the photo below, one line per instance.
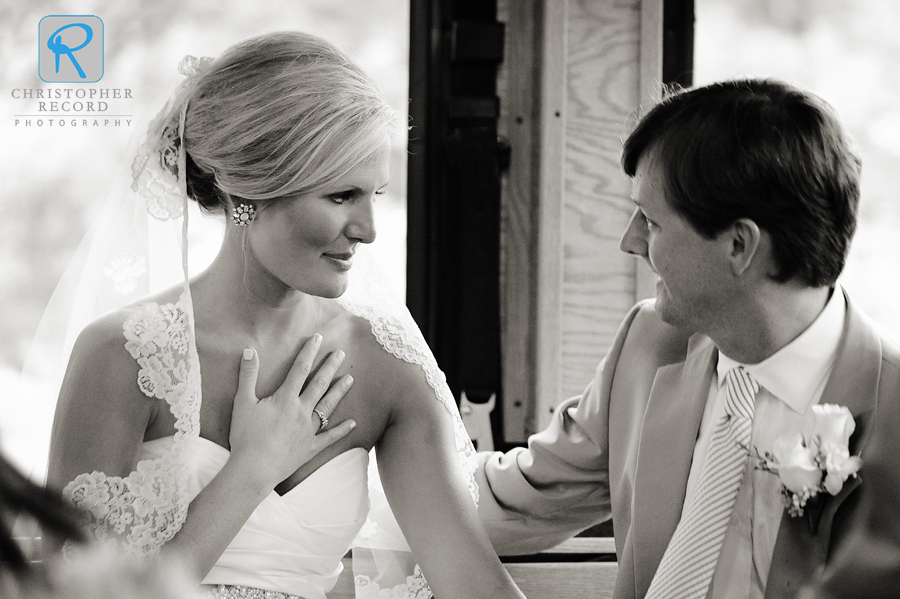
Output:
(847, 52)
(54, 179)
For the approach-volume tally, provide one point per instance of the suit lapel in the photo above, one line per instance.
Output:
(799, 555)
(668, 435)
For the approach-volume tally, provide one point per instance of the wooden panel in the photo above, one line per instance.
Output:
(532, 120)
(551, 201)
(597, 545)
(603, 83)
(651, 51)
(542, 580)
(566, 109)
(565, 580)
(518, 122)
(651, 67)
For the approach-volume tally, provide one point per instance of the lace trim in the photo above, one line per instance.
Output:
(124, 271)
(155, 176)
(397, 332)
(414, 588)
(399, 335)
(408, 345)
(155, 170)
(146, 508)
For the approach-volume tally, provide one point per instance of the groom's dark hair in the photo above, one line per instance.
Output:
(764, 150)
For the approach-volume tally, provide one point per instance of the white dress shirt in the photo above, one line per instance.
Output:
(791, 381)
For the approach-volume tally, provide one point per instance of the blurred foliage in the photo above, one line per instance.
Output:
(54, 179)
(847, 52)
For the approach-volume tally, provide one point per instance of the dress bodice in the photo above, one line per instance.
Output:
(292, 543)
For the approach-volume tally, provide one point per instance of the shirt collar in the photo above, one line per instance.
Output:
(796, 371)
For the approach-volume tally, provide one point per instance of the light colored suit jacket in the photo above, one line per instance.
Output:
(624, 449)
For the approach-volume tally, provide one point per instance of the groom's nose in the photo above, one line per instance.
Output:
(634, 239)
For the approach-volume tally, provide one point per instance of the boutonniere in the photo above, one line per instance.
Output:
(815, 461)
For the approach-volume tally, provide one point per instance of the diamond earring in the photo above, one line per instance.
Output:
(243, 215)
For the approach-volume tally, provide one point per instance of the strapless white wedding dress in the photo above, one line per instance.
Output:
(292, 543)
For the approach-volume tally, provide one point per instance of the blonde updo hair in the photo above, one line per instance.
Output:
(280, 114)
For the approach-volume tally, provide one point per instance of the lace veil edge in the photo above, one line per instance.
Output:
(127, 256)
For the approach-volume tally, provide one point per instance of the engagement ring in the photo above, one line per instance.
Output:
(323, 420)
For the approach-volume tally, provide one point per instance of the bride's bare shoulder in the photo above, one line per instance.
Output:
(103, 362)
(385, 363)
(108, 331)
(102, 413)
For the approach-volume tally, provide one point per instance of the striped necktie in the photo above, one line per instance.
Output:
(687, 566)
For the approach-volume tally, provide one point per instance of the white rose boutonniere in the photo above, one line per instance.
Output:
(816, 460)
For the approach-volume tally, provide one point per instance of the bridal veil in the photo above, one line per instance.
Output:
(138, 245)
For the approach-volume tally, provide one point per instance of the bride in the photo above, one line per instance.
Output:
(290, 140)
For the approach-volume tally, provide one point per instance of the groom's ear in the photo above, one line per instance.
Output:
(743, 239)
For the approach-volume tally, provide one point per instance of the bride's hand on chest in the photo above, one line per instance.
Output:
(268, 434)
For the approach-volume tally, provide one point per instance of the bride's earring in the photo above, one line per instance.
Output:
(243, 215)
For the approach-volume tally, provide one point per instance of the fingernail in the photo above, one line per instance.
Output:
(340, 355)
(348, 380)
(248, 353)
(353, 424)
(317, 338)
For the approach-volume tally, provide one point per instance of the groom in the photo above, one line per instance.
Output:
(745, 199)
